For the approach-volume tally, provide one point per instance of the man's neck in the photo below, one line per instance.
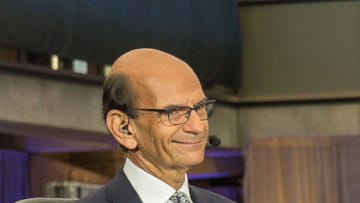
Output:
(174, 177)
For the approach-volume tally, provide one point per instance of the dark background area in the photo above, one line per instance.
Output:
(203, 33)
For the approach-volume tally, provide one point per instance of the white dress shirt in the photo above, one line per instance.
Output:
(150, 188)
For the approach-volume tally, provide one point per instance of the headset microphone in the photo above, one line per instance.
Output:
(214, 140)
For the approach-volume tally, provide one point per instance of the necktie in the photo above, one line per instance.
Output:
(179, 197)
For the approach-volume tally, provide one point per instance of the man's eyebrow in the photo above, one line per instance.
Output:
(177, 105)
(203, 100)
(172, 106)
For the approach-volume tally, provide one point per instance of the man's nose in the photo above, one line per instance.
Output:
(194, 124)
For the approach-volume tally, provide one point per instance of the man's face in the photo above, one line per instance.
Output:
(170, 147)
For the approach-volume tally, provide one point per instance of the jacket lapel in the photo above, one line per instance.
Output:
(194, 193)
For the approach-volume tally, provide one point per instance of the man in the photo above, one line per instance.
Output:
(155, 108)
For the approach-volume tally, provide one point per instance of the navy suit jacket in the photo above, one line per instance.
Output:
(119, 190)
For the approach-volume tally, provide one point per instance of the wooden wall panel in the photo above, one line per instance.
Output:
(303, 169)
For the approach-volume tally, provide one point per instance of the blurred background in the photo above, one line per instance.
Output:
(285, 74)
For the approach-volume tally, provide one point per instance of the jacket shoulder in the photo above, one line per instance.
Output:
(200, 195)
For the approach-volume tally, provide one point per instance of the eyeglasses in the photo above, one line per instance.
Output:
(177, 115)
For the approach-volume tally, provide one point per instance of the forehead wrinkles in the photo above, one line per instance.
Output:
(162, 88)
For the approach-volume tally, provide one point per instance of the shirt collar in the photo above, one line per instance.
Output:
(149, 188)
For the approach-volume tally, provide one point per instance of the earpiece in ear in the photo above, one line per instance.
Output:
(125, 130)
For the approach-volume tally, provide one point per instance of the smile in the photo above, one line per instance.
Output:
(187, 142)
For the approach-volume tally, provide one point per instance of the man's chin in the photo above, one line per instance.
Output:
(195, 161)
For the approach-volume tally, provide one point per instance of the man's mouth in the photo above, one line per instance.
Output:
(187, 142)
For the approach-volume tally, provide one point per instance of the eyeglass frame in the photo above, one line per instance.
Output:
(168, 110)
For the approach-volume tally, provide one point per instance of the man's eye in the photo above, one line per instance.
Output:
(177, 111)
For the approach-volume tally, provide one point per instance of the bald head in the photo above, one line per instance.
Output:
(149, 78)
(149, 62)
(153, 72)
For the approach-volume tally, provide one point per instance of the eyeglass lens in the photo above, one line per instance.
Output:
(181, 114)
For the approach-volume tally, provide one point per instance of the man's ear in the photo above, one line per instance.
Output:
(118, 122)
